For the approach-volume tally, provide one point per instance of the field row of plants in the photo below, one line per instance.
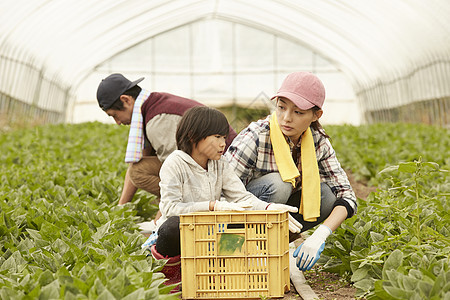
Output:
(62, 235)
(398, 245)
(367, 149)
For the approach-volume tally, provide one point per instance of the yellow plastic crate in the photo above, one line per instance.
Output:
(234, 254)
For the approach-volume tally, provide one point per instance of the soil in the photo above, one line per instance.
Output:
(361, 189)
(329, 286)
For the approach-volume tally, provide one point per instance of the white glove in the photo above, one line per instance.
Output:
(309, 251)
(147, 227)
(226, 206)
(294, 225)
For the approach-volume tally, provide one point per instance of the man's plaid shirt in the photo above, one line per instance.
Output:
(251, 155)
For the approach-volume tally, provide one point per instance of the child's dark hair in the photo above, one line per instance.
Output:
(198, 123)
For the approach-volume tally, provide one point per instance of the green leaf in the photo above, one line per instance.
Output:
(398, 293)
(50, 291)
(173, 296)
(49, 231)
(380, 292)
(416, 274)
(365, 284)
(137, 294)
(425, 288)
(60, 246)
(359, 274)
(119, 282)
(389, 169)
(410, 283)
(408, 167)
(68, 295)
(34, 234)
(376, 237)
(13, 263)
(9, 293)
(431, 165)
(106, 295)
(439, 284)
(394, 260)
(101, 232)
(393, 277)
(46, 278)
(81, 285)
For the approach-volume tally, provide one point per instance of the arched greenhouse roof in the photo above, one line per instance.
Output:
(404, 43)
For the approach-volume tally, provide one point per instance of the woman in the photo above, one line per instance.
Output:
(288, 158)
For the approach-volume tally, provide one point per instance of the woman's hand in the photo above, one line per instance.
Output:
(309, 251)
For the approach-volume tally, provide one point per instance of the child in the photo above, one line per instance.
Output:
(197, 178)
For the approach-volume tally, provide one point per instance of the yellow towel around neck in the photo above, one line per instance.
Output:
(310, 199)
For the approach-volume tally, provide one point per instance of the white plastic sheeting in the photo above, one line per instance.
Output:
(220, 63)
(392, 52)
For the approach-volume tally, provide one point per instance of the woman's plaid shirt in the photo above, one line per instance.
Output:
(251, 156)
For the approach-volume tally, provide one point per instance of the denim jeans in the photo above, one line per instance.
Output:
(271, 188)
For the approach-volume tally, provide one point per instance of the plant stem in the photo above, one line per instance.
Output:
(416, 175)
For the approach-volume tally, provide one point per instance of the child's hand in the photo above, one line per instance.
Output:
(227, 206)
(294, 225)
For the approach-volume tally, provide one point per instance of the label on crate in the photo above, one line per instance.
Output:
(231, 244)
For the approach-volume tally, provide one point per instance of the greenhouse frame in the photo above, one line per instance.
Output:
(381, 61)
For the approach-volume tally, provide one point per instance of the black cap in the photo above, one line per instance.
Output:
(110, 89)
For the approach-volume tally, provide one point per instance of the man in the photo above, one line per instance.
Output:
(153, 118)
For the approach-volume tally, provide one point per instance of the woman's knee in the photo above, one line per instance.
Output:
(270, 188)
(327, 200)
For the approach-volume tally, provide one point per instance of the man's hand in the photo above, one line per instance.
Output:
(309, 251)
(294, 225)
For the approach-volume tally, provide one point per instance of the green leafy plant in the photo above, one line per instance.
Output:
(61, 233)
(397, 247)
(63, 236)
(366, 150)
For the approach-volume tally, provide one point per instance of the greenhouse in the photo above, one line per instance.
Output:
(382, 61)
(67, 233)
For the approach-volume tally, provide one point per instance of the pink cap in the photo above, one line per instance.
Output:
(304, 89)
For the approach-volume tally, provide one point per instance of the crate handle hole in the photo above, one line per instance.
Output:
(235, 226)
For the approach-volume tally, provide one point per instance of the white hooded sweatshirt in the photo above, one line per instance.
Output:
(187, 187)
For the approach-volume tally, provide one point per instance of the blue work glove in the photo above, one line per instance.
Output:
(309, 251)
(150, 241)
